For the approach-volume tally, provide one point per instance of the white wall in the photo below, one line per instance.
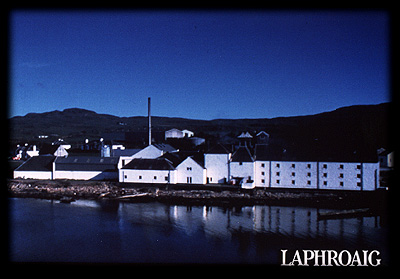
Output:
(174, 133)
(85, 175)
(33, 174)
(147, 176)
(261, 173)
(290, 174)
(217, 166)
(244, 169)
(190, 168)
(321, 175)
(370, 176)
(332, 174)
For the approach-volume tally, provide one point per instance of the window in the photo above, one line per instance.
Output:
(341, 175)
(359, 184)
(263, 165)
(293, 182)
(341, 166)
(262, 173)
(189, 168)
(125, 176)
(123, 162)
(359, 167)
(140, 177)
(155, 177)
(240, 163)
(308, 166)
(341, 183)
(278, 173)
(308, 182)
(293, 174)
(325, 183)
(293, 166)
(278, 181)
(166, 178)
(308, 174)
(278, 165)
(262, 181)
(325, 174)
(189, 180)
(324, 166)
(358, 175)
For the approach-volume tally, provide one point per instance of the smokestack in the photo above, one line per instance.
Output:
(149, 114)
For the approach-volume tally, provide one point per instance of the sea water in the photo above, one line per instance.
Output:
(118, 232)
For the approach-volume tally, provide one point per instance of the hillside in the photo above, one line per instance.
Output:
(362, 128)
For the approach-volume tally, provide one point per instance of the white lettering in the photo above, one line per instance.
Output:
(322, 257)
(378, 261)
(340, 257)
(296, 258)
(331, 257)
(306, 258)
(284, 258)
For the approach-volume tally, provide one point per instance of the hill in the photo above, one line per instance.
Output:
(361, 128)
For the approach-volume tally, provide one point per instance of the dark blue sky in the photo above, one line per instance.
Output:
(198, 64)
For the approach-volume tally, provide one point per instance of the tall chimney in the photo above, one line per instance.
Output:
(149, 113)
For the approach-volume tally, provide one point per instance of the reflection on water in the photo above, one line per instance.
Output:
(91, 231)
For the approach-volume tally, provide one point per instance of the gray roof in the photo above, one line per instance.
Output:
(86, 163)
(218, 149)
(165, 147)
(124, 152)
(242, 155)
(37, 163)
(150, 164)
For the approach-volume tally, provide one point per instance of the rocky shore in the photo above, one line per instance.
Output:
(95, 190)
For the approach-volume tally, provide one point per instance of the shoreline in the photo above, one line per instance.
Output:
(222, 195)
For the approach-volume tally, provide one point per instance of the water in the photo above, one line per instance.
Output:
(93, 231)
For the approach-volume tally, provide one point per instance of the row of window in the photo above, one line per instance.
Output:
(154, 178)
(325, 174)
(188, 179)
(324, 166)
(325, 183)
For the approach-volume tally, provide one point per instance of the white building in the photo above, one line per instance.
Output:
(158, 170)
(272, 171)
(178, 134)
(216, 162)
(187, 133)
(174, 133)
(190, 171)
(150, 152)
(242, 168)
(37, 167)
(85, 168)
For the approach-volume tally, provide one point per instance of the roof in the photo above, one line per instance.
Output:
(149, 164)
(274, 152)
(218, 149)
(124, 152)
(86, 163)
(262, 133)
(165, 147)
(245, 135)
(242, 155)
(37, 163)
(263, 152)
(198, 162)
